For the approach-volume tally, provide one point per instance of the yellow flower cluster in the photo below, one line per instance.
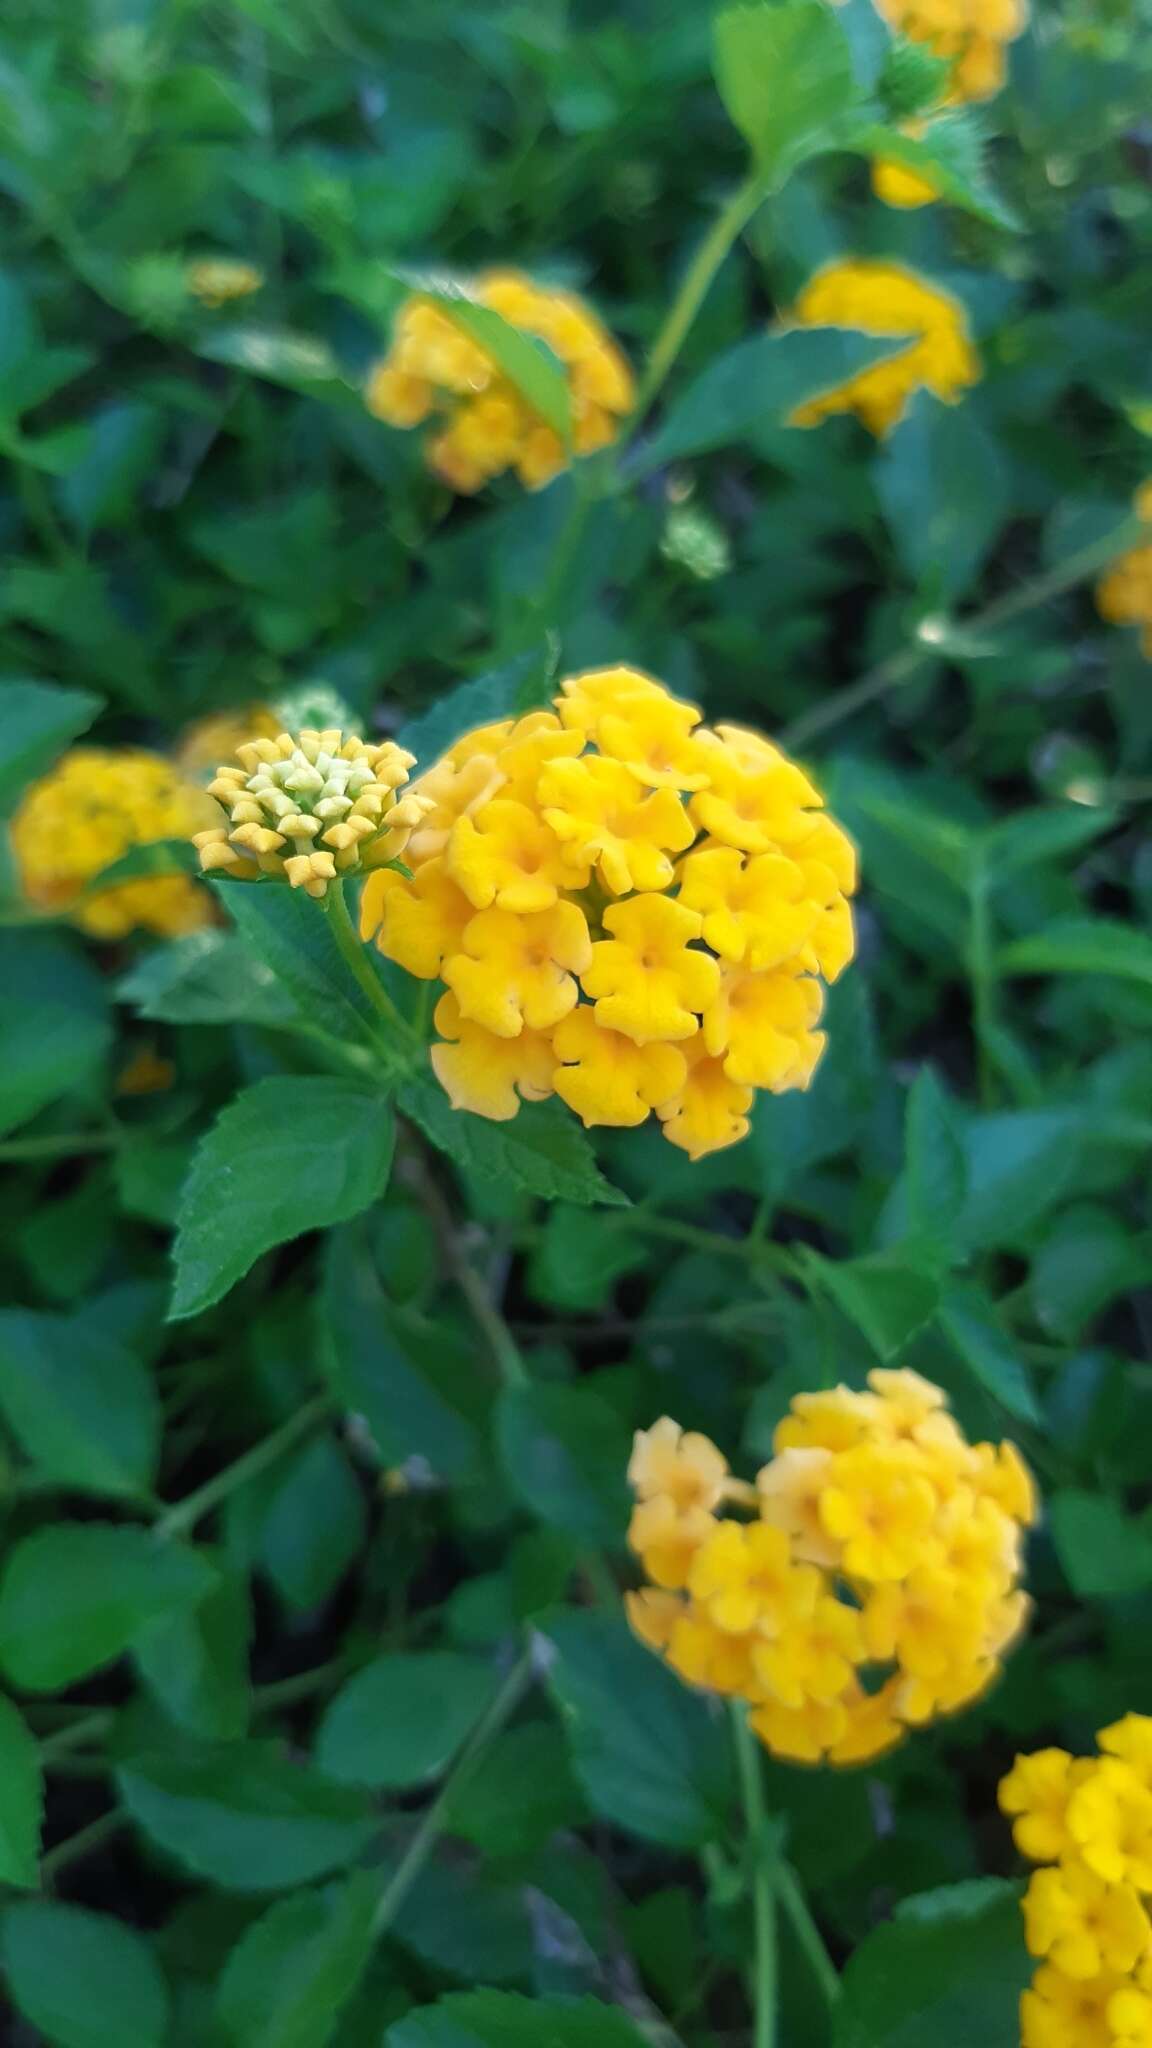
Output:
(972, 37)
(433, 367)
(628, 910)
(1124, 595)
(217, 280)
(875, 1588)
(213, 738)
(1088, 1822)
(872, 296)
(95, 805)
(309, 808)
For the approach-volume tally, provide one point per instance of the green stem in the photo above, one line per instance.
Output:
(761, 1879)
(790, 1893)
(544, 609)
(501, 1343)
(177, 1520)
(424, 1840)
(90, 1728)
(80, 1844)
(69, 1146)
(752, 1248)
(900, 668)
(733, 216)
(359, 966)
(981, 968)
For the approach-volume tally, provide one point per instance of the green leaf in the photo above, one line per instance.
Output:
(942, 537)
(55, 1029)
(81, 1406)
(77, 1595)
(300, 361)
(208, 977)
(37, 722)
(520, 1792)
(1082, 945)
(1087, 1261)
(290, 934)
(195, 1662)
(504, 2019)
(650, 1754)
(314, 1525)
(291, 1154)
(1019, 1163)
(124, 441)
(83, 1979)
(1103, 1552)
(949, 153)
(525, 359)
(884, 1295)
(503, 692)
(21, 1800)
(542, 1151)
(969, 1321)
(241, 1816)
(580, 1256)
(141, 863)
(949, 1969)
(758, 382)
(936, 1176)
(912, 78)
(1048, 834)
(400, 1721)
(565, 1454)
(784, 73)
(287, 1981)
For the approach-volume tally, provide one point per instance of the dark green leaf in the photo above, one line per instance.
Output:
(936, 1178)
(76, 1596)
(503, 2019)
(1082, 945)
(209, 977)
(943, 537)
(154, 857)
(784, 73)
(37, 722)
(401, 1720)
(542, 1151)
(83, 1979)
(501, 693)
(969, 1321)
(886, 1296)
(289, 1978)
(565, 1453)
(1087, 1260)
(289, 934)
(82, 1407)
(1019, 1163)
(949, 1969)
(314, 1524)
(648, 1752)
(21, 1800)
(1104, 1553)
(196, 1662)
(289, 1155)
(54, 1030)
(242, 1816)
(1042, 835)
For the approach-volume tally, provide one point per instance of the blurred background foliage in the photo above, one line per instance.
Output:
(198, 513)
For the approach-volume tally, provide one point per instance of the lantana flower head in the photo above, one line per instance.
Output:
(309, 808)
(972, 38)
(835, 1599)
(95, 805)
(1088, 1910)
(640, 910)
(870, 295)
(434, 370)
(1124, 592)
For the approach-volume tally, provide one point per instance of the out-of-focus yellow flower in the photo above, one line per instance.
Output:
(309, 808)
(208, 741)
(972, 37)
(145, 1073)
(656, 900)
(1124, 592)
(871, 296)
(434, 369)
(96, 804)
(844, 1611)
(216, 280)
(1089, 1822)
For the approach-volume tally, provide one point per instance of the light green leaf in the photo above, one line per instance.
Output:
(504, 2019)
(81, 1406)
(886, 1296)
(949, 1969)
(1082, 945)
(208, 977)
(77, 1595)
(949, 154)
(505, 692)
(290, 1154)
(524, 358)
(565, 1452)
(240, 1815)
(83, 1979)
(542, 1151)
(140, 863)
(1104, 1553)
(648, 1752)
(1042, 835)
(301, 361)
(758, 382)
(290, 1976)
(401, 1720)
(784, 73)
(55, 1028)
(21, 1800)
(37, 722)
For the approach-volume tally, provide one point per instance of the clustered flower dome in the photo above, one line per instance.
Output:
(1124, 594)
(309, 808)
(95, 805)
(870, 1585)
(486, 426)
(972, 37)
(872, 296)
(1088, 1822)
(627, 909)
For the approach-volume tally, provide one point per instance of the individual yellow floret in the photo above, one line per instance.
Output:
(868, 295)
(95, 805)
(1130, 1739)
(1083, 1925)
(1069, 2012)
(879, 1506)
(607, 1078)
(515, 972)
(487, 1074)
(667, 1538)
(1124, 592)
(835, 1419)
(647, 981)
(1110, 1821)
(709, 1111)
(760, 1027)
(605, 818)
(789, 1491)
(487, 425)
(417, 921)
(1129, 2012)
(745, 1579)
(680, 1463)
